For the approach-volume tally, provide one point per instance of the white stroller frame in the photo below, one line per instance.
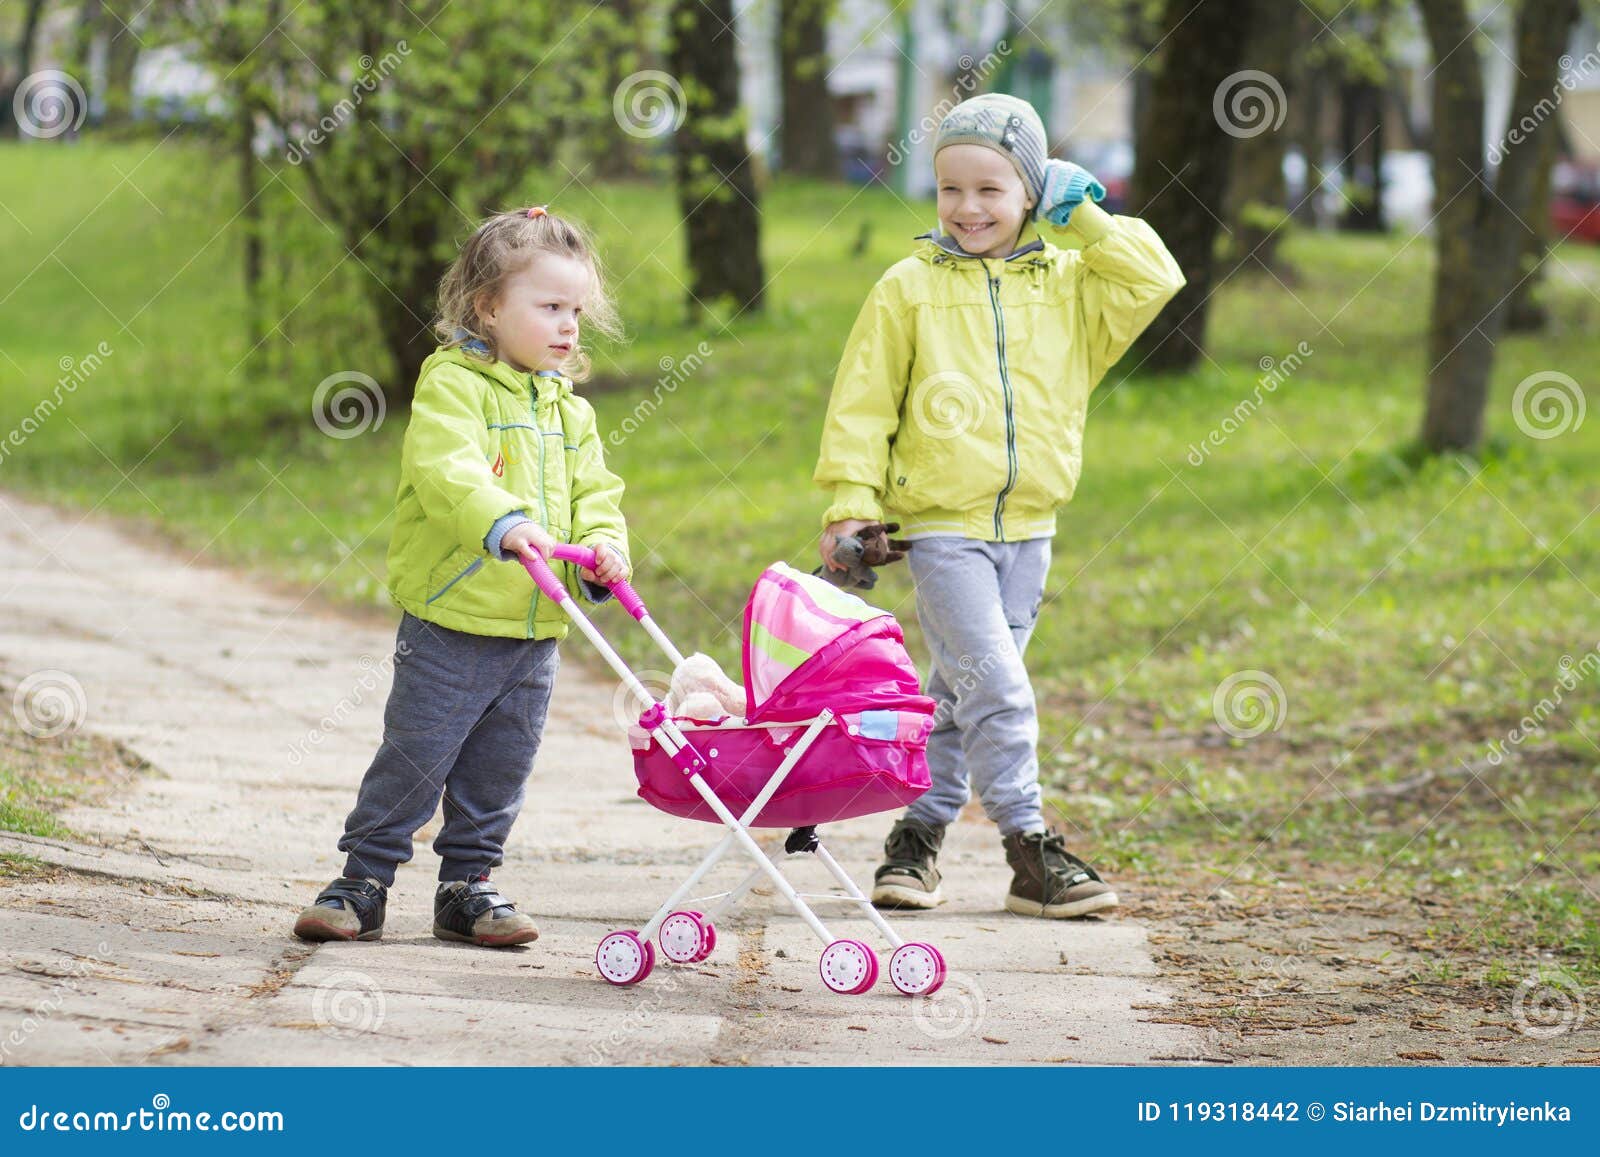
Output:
(688, 936)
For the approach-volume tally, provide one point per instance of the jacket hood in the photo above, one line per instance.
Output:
(548, 385)
(938, 246)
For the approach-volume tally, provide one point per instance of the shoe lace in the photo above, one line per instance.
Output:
(1053, 847)
(912, 844)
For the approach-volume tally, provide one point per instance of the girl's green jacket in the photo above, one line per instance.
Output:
(484, 441)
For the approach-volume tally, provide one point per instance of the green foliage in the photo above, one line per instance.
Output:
(409, 123)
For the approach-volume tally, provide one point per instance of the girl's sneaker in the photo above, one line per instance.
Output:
(1050, 881)
(474, 912)
(908, 877)
(345, 910)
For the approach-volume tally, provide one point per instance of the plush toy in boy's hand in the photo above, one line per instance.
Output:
(860, 552)
(1066, 186)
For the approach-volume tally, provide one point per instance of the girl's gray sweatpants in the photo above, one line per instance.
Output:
(977, 603)
(463, 722)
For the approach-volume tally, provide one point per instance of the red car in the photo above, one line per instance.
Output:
(1575, 201)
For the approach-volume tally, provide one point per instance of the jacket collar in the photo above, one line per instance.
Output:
(940, 242)
(547, 384)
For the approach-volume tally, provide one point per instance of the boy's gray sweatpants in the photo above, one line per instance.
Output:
(463, 721)
(977, 603)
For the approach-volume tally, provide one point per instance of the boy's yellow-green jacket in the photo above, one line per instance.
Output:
(486, 440)
(959, 404)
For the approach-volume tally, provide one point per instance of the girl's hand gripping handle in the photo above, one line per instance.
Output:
(584, 557)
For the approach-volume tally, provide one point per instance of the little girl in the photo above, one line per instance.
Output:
(958, 409)
(501, 462)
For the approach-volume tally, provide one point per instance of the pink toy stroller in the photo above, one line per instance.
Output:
(835, 728)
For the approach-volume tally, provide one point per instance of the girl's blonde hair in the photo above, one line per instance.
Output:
(498, 248)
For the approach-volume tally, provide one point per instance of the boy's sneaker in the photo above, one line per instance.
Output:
(345, 910)
(1050, 881)
(474, 912)
(908, 878)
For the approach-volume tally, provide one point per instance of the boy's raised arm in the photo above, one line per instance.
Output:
(1125, 277)
(864, 409)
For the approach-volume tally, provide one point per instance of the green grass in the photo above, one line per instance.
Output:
(1410, 616)
(17, 816)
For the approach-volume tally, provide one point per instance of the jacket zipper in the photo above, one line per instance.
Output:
(1011, 423)
(544, 514)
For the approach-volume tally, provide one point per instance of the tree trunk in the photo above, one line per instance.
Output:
(122, 57)
(1256, 209)
(26, 42)
(405, 298)
(402, 259)
(1181, 169)
(1476, 225)
(716, 190)
(806, 132)
(1527, 312)
(1361, 146)
(244, 132)
(1311, 85)
(620, 155)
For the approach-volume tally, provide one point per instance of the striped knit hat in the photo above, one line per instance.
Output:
(1005, 124)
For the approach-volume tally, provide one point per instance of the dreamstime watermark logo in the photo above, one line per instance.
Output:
(947, 405)
(373, 673)
(1249, 703)
(650, 103)
(373, 73)
(350, 411)
(626, 706)
(49, 103)
(49, 703)
(1573, 672)
(66, 984)
(973, 673)
(74, 372)
(957, 1009)
(1249, 103)
(1274, 372)
(156, 1119)
(1573, 74)
(1548, 1006)
(1548, 404)
(674, 372)
(349, 1003)
(973, 75)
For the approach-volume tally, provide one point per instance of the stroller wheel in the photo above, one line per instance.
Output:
(849, 967)
(623, 958)
(686, 937)
(917, 969)
(708, 945)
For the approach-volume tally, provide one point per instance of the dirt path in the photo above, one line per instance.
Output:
(164, 935)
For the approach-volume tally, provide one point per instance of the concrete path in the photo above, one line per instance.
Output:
(168, 940)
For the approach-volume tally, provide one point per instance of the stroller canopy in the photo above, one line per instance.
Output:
(809, 645)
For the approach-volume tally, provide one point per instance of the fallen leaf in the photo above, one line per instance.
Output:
(994, 1040)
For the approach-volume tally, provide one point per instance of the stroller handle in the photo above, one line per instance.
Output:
(553, 587)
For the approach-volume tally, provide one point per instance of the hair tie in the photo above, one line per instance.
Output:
(537, 211)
